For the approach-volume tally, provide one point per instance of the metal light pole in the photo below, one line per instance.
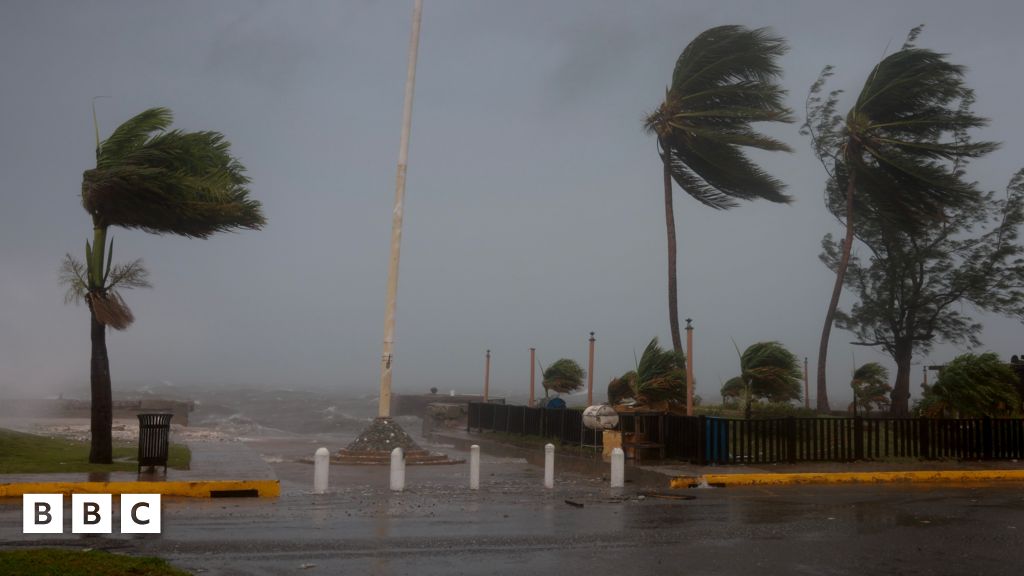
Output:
(533, 364)
(384, 408)
(590, 373)
(689, 367)
(807, 387)
(487, 376)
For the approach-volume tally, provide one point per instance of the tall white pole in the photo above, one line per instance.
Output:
(384, 408)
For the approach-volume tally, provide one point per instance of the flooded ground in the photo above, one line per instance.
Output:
(513, 525)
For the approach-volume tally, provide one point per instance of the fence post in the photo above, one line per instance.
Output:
(923, 441)
(508, 417)
(986, 438)
(561, 425)
(791, 439)
(469, 417)
(858, 438)
(702, 440)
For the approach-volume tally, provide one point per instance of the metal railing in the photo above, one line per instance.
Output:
(705, 439)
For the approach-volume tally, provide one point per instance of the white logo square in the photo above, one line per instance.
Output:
(91, 513)
(140, 513)
(42, 514)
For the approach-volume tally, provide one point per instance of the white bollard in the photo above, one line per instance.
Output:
(549, 465)
(397, 470)
(618, 468)
(321, 465)
(474, 467)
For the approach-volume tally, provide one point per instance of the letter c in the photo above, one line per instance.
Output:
(135, 517)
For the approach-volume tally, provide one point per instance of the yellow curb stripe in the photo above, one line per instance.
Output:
(196, 489)
(848, 477)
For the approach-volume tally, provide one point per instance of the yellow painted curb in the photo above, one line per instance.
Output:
(196, 489)
(848, 477)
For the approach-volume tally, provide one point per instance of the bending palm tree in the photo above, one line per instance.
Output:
(767, 370)
(163, 182)
(898, 156)
(871, 387)
(724, 81)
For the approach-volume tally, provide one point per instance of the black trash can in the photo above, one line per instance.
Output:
(154, 437)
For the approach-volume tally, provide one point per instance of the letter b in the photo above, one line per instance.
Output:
(42, 514)
(91, 513)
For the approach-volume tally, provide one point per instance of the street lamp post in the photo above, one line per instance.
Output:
(689, 367)
(384, 406)
(590, 373)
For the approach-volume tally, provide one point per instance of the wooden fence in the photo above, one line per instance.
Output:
(706, 439)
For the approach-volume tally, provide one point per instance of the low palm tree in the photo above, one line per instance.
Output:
(724, 81)
(897, 158)
(767, 370)
(161, 181)
(659, 379)
(871, 387)
(563, 376)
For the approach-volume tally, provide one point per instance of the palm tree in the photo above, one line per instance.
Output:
(659, 378)
(897, 158)
(724, 81)
(871, 387)
(563, 376)
(160, 181)
(767, 370)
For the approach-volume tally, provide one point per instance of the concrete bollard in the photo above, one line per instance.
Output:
(618, 468)
(397, 470)
(549, 465)
(321, 465)
(474, 467)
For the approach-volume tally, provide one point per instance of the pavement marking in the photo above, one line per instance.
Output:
(848, 477)
(194, 489)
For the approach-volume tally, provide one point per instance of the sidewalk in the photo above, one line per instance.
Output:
(218, 469)
(683, 475)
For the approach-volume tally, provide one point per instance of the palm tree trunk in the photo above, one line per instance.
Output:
(100, 451)
(833, 304)
(670, 228)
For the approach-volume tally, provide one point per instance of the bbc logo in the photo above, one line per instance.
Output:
(90, 514)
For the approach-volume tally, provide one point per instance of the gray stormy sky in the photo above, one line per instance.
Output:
(534, 208)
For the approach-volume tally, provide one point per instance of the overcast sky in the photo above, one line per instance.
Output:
(534, 209)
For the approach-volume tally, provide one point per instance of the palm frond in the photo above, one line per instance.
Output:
(772, 371)
(725, 80)
(127, 276)
(169, 182)
(621, 388)
(563, 376)
(73, 276)
(110, 309)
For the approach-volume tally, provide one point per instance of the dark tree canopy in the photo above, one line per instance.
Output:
(973, 386)
(918, 288)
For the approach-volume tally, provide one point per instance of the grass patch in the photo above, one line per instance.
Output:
(52, 561)
(22, 453)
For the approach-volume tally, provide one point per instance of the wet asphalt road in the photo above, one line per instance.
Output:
(514, 526)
